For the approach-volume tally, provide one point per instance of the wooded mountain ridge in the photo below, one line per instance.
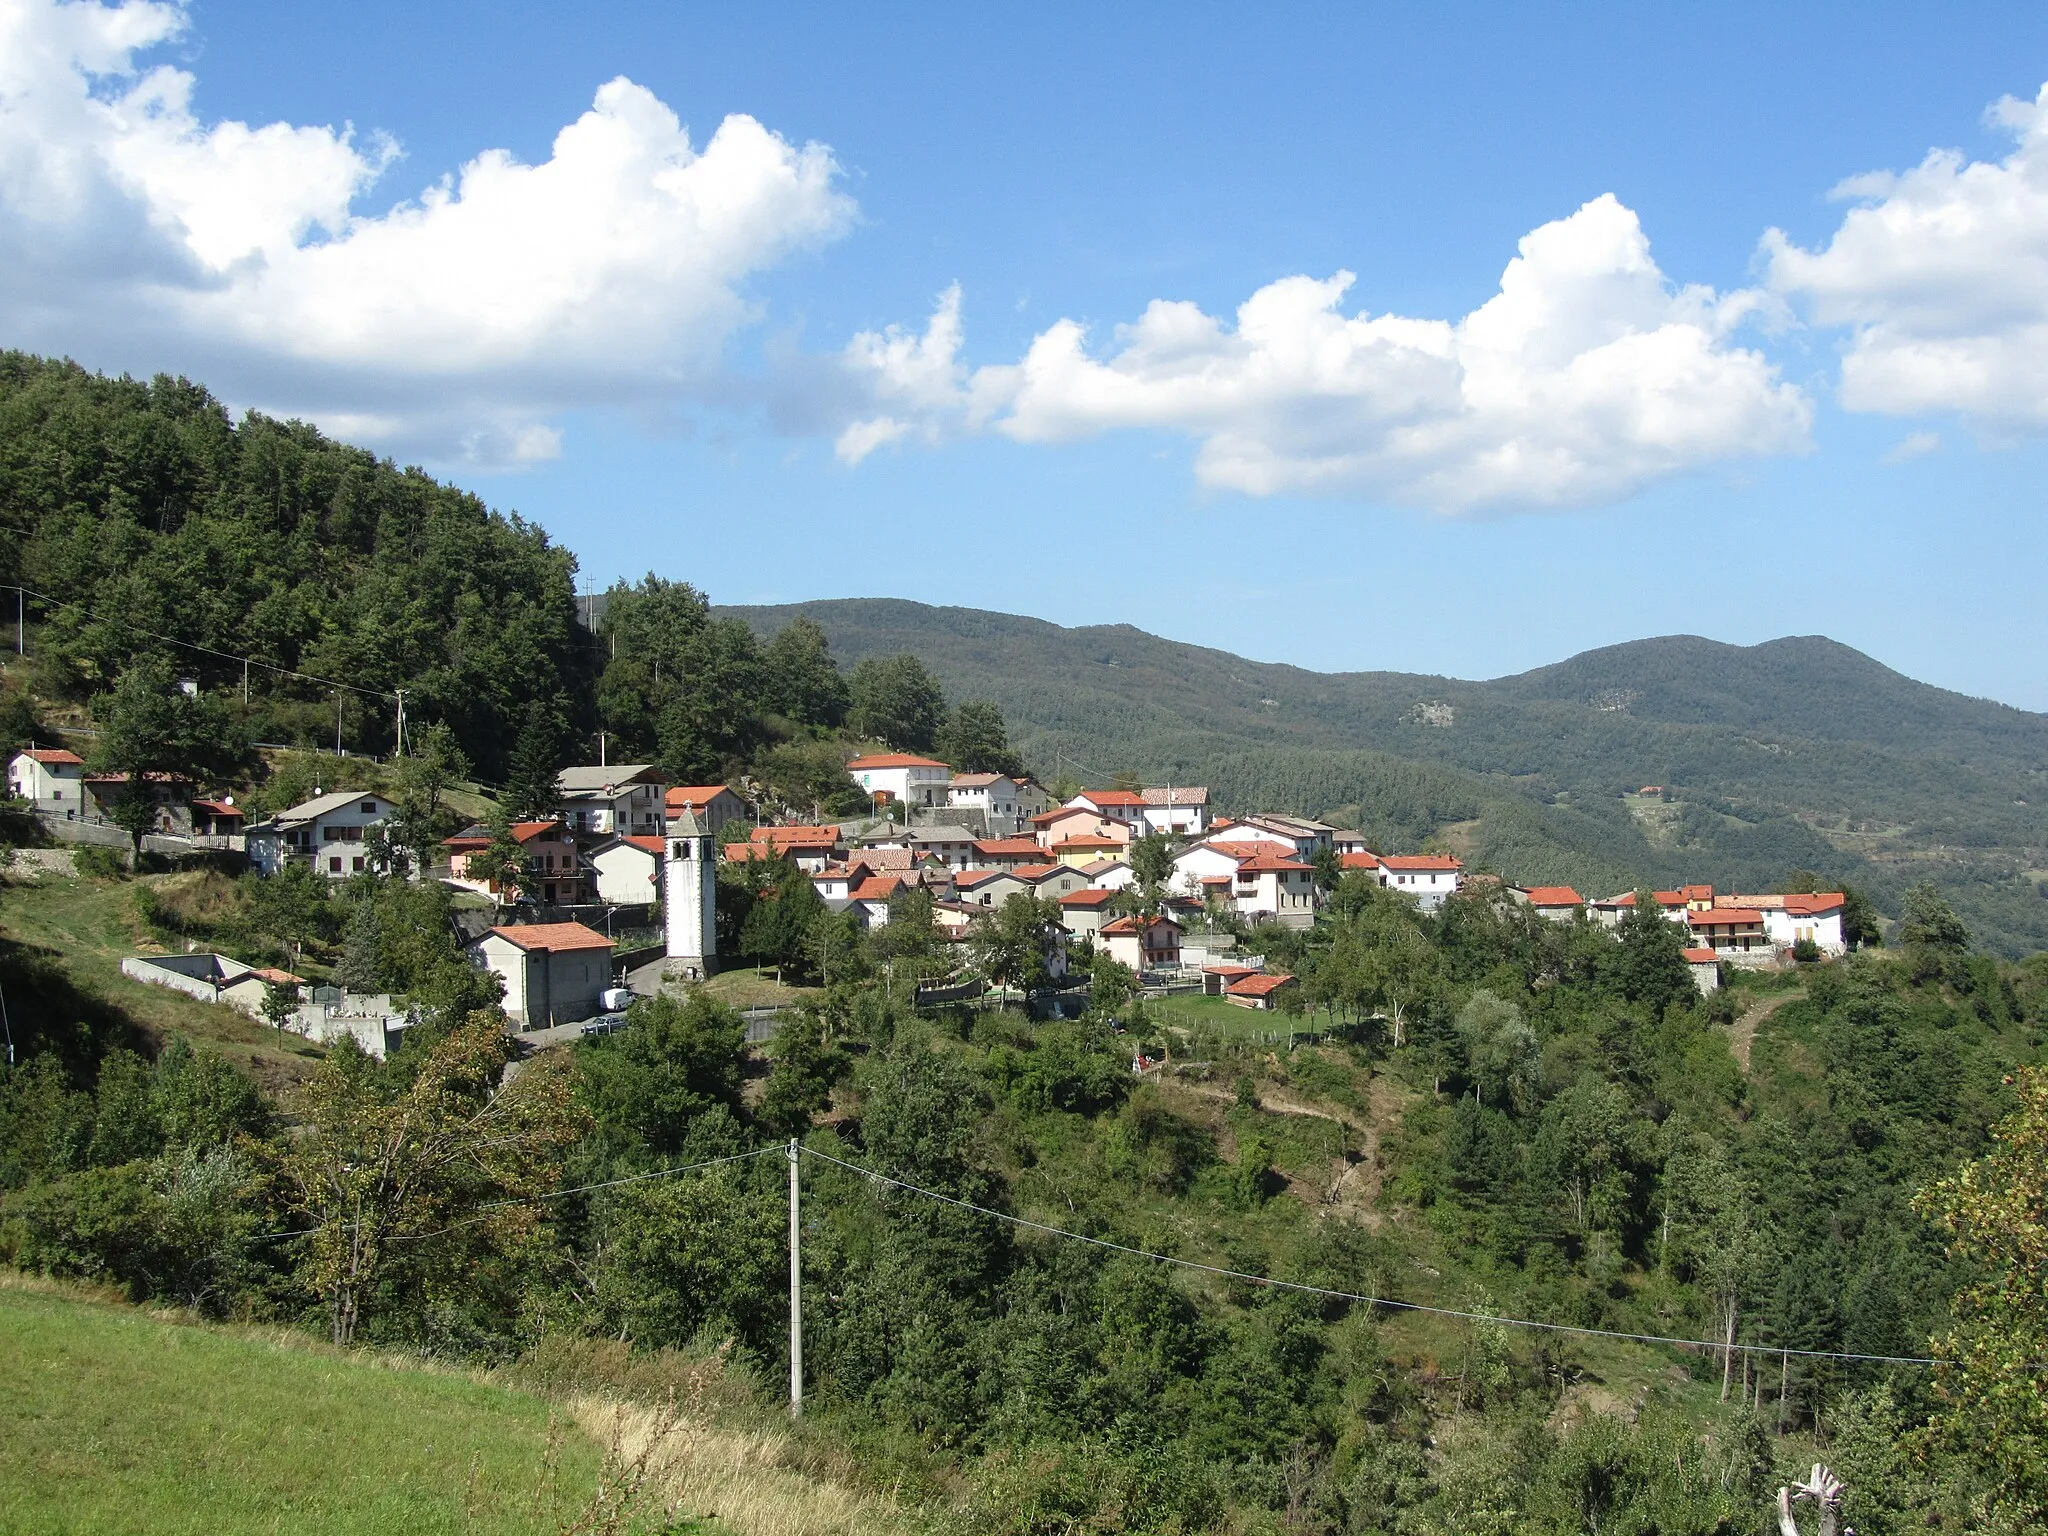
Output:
(1796, 753)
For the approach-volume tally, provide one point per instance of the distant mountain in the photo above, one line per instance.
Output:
(1798, 753)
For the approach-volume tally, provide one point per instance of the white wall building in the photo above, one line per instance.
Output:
(50, 779)
(623, 800)
(904, 777)
(951, 846)
(554, 973)
(1428, 877)
(327, 831)
(1303, 837)
(1178, 811)
(996, 796)
(628, 870)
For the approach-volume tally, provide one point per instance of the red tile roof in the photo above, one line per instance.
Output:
(54, 757)
(1420, 861)
(895, 760)
(527, 831)
(1008, 847)
(1554, 896)
(877, 888)
(1132, 925)
(1228, 970)
(1085, 841)
(1701, 956)
(554, 937)
(282, 978)
(654, 845)
(218, 807)
(1109, 797)
(1814, 905)
(696, 796)
(968, 879)
(796, 837)
(1093, 897)
(1269, 863)
(1359, 860)
(1725, 917)
(1037, 872)
(1664, 899)
(1257, 986)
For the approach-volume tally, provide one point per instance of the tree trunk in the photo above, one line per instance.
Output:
(1728, 1351)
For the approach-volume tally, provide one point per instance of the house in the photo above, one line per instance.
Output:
(1086, 911)
(554, 973)
(1178, 811)
(1428, 877)
(1559, 903)
(1364, 860)
(1049, 882)
(714, 805)
(1125, 806)
(1267, 885)
(986, 887)
(50, 779)
(1196, 869)
(1142, 943)
(1730, 931)
(1672, 904)
(873, 895)
(628, 870)
(1217, 979)
(553, 873)
(902, 778)
(1067, 821)
(1086, 848)
(1706, 969)
(220, 818)
(951, 846)
(623, 800)
(169, 796)
(1261, 992)
(1304, 838)
(1789, 919)
(809, 848)
(1109, 874)
(1346, 843)
(1000, 799)
(1007, 852)
(327, 831)
(835, 882)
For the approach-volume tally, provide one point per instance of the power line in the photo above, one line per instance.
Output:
(205, 650)
(1374, 1301)
(558, 1194)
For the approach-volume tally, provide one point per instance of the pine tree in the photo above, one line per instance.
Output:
(362, 958)
(532, 787)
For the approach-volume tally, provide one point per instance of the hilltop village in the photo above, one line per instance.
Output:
(1146, 875)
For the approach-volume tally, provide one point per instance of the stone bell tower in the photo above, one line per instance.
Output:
(688, 898)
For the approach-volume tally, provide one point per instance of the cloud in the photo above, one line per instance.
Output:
(456, 323)
(1914, 445)
(1941, 274)
(1586, 377)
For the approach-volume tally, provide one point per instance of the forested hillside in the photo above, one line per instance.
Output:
(1799, 753)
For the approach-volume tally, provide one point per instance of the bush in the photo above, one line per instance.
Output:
(1805, 951)
(100, 863)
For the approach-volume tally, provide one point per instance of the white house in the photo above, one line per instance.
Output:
(554, 973)
(1143, 944)
(1086, 911)
(1177, 810)
(628, 870)
(1109, 875)
(903, 778)
(997, 797)
(326, 831)
(1194, 868)
(1304, 838)
(1056, 826)
(951, 846)
(1791, 918)
(1125, 806)
(1268, 885)
(50, 779)
(623, 800)
(1428, 877)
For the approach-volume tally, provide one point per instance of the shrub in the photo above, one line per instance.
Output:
(1805, 951)
(100, 863)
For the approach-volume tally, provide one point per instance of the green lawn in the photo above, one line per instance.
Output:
(118, 1420)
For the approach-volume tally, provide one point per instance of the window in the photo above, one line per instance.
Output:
(358, 869)
(369, 807)
(334, 865)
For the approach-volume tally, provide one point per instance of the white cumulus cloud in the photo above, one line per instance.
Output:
(1587, 376)
(457, 322)
(1941, 275)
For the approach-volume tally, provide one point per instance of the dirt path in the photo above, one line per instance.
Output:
(1743, 1035)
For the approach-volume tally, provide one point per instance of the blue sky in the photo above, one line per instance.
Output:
(1851, 445)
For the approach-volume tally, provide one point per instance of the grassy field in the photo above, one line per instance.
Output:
(76, 931)
(125, 1421)
(746, 987)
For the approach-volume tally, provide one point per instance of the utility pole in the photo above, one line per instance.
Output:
(796, 1292)
(245, 679)
(20, 622)
(337, 722)
(399, 750)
